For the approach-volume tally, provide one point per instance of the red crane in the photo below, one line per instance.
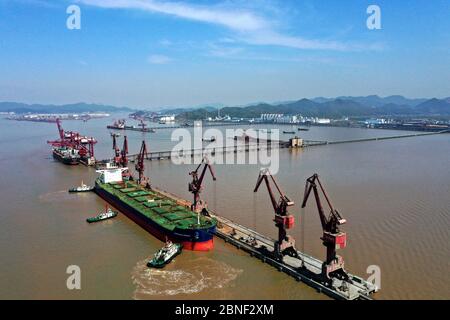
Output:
(195, 187)
(60, 129)
(333, 238)
(142, 124)
(72, 139)
(140, 168)
(117, 155)
(283, 220)
(124, 153)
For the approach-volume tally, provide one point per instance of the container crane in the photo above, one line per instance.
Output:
(140, 168)
(195, 187)
(283, 220)
(333, 238)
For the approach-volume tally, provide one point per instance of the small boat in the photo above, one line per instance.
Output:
(81, 188)
(165, 255)
(303, 129)
(103, 216)
(289, 132)
(152, 130)
(212, 139)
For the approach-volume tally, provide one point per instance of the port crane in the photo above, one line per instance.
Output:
(140, 168)
(196, 186)
(120, 156)
(332, 238)
(142, 124)
(124, 152)
(283, 220)
(73, 140)
(117, 156)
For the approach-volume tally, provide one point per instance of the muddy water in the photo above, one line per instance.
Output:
(395, 195)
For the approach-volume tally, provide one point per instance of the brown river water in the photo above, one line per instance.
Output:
(395, 195)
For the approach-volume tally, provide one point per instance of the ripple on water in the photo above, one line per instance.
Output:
(56, 196)
(193, 276)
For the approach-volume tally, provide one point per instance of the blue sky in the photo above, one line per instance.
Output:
(155, 53)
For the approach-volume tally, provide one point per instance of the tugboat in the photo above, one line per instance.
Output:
(103, 216)
(81, 188)
(165, 255)
(212, 139)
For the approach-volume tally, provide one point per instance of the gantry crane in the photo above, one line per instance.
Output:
(283, 220)
(333, 238)
(71, 139)
(195, 187)
(140, 168)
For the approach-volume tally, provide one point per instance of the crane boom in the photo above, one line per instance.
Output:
(196, 186)
(124, 152)
(332, 238)
(140, 168)
(283, 220)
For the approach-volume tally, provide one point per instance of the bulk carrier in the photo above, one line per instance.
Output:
(160, 215)
(66, 155)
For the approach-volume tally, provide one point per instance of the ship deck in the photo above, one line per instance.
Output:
(168, 213)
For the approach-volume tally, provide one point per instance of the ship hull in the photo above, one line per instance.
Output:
(67, 161)
(191, 239)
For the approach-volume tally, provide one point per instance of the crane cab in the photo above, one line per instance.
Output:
(287, 221)
(336, 240)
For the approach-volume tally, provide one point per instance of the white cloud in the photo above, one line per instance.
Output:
(277, 39)
(233, 19)
(223, 52)
(159, 59)
(165, 42)
(250, 27)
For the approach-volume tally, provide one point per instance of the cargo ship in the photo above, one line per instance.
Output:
(66, 155)
(160, 215)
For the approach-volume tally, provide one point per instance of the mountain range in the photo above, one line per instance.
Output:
(343, 106)
(80, 107)
(336, 108)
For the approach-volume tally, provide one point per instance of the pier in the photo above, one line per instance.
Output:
(187, 125)
(261, 145)
(304, 269)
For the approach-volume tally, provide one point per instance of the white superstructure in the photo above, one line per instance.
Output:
(111, 174)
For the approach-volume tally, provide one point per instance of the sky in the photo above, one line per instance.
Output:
(157, 54)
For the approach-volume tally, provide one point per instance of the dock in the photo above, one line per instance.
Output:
(304, 269)
(256, 146)
(187, 125)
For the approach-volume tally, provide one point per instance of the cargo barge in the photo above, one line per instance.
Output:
(158, 214)
(66, 155)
